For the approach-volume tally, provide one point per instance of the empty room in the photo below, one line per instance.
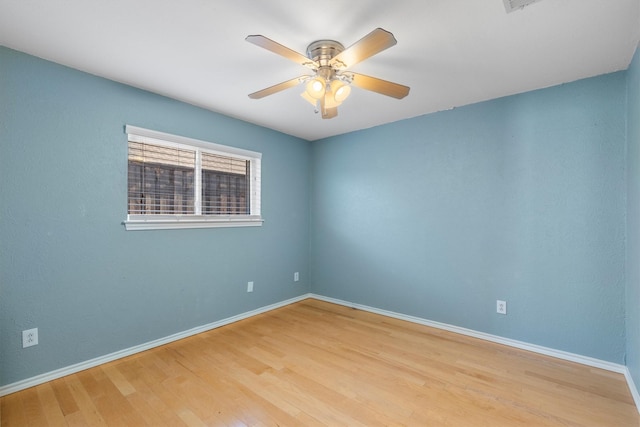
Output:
(358, 213)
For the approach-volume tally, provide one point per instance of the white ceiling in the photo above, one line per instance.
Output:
(450, 52)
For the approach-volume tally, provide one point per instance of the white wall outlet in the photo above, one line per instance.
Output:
(501, 307)
(249, 286)
(29, 337)
(296, 276)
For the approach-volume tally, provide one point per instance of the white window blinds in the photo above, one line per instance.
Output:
(178, 182)
(160, 179)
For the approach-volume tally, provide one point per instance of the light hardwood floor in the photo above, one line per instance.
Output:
(315, 363)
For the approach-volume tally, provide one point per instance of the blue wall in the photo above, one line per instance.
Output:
(633, 219)
(67, 265)
(520, 198)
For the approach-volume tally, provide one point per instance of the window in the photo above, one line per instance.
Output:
(178, 182)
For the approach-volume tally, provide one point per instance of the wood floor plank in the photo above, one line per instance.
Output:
(33, 408)
(50, 405)
(67, 403)
(13, 413)
(83, 399)
(314, 363)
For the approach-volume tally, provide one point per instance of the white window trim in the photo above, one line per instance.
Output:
(167, 222)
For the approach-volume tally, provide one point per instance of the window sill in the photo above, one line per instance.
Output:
(172, 222)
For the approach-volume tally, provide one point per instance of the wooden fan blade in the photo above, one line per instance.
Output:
(276, 88)
(383, 87)
(327, 113)
(374, 42)
(281, 50)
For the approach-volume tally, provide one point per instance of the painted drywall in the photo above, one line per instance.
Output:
(69, 268)
(520, 199)
(633, 219)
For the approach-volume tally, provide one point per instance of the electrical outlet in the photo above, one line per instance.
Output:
(249, 286)
(501, 307)
(296, 276)
(29, 337)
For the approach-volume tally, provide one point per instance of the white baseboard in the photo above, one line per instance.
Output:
(584, 360)
(632, 387)
(59, 373)
(589, 361)
(572, 357)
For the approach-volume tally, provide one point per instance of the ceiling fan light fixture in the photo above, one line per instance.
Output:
(316, 87)
(340, 90)
(305, 95)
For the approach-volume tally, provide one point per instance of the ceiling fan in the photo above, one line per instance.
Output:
(330, 84)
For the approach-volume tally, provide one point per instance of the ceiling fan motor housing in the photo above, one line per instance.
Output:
(322, 51)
